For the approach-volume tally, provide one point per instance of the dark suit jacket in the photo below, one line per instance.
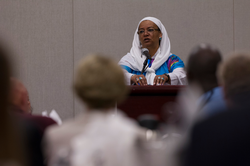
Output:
(41, 121)
(222, 140)
(32, 128)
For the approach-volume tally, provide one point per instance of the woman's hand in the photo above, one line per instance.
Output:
(139, 79)
(160, 79)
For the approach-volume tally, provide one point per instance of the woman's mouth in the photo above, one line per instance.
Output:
(146, 40)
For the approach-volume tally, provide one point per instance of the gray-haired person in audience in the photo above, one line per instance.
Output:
(101, 135)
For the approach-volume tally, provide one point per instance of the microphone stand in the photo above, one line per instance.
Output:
(145, 65)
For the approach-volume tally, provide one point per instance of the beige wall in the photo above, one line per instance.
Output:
(50, 36)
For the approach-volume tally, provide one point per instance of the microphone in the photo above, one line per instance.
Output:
(145, 52)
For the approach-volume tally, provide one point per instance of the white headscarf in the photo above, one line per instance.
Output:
(134, 59)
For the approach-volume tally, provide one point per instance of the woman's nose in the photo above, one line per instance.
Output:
(146, 33)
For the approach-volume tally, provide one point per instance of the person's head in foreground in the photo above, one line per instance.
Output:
(11, 151)
(5, 82)
(235, 78)
(100, 82)
(202, 66)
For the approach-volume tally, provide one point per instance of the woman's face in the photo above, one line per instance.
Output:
(149, 34)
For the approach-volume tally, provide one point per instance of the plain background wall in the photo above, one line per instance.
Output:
(49, 37)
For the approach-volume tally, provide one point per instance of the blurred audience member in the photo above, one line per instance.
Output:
(223, 139)
(11, 150)
(20, 97)
(22, 142)
(203, 96)
(33, 125)
(21, 105)
(30, 127)
(101, 136)
(201, 70)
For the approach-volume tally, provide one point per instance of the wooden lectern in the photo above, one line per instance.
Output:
(149, 100)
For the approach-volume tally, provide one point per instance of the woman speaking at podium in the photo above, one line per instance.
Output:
(149, 61)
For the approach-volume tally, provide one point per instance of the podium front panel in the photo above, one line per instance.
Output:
(149, 100)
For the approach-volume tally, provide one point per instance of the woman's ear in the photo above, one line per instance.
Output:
(160, 37)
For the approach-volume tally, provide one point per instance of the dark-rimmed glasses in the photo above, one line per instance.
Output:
(150, 30)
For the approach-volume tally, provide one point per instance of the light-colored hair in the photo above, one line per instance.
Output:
(235, 74)
(100, 82)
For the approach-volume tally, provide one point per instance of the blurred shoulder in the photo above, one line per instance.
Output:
(54, 132)
(224, 122)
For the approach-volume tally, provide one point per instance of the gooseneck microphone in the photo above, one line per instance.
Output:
(145, 52)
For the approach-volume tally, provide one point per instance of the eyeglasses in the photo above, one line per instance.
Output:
(150, 30)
